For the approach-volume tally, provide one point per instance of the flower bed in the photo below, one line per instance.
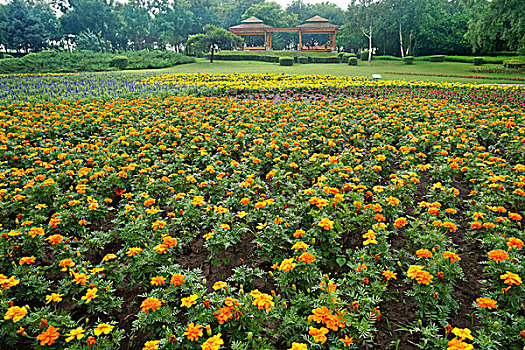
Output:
(214, 222)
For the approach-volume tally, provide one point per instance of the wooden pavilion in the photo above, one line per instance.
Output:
(314, 25)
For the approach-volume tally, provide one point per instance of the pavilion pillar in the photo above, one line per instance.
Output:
(300, 41)
(332, 40)
(269, 41)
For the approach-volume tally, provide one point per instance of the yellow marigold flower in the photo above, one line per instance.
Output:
(326, 223)
(511, 278)
(108, 257)
(151, 345)
(157, 280)
(463, 333)
(298, 346)
(194, 331)
(103, 328)
(219, 285)
(189, 301)
(213, 343)
(287, 265)
(53, 297)
(77, 333)
(90, 294)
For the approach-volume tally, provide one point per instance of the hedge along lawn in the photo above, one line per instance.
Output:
(340, 69)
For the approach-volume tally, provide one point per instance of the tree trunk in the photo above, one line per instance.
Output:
(370, 44)
(401, 41)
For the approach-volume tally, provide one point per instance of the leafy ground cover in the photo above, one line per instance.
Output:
(261, 212)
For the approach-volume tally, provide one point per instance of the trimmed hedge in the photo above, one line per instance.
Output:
(334, 59)
(437, 58)
(478, 61)
(345, 57)
(286, 61)
(409, 60)
(121, 62)
(302, 59)
(86, 61)
(352, 61)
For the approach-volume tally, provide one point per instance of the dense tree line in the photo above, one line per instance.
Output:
(392, 27)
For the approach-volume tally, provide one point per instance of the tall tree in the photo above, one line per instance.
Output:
(365, 15)
(27, 26)
(213, 38)
(496, 25)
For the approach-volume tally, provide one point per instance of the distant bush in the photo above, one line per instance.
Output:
(86, 61)
(387, 58)
(302, 59)
(5, 55)
(286, 61)
(514, 64)
(437, 58)
(352, 61)
(364, 55)
(409, 59)
(333, 59)
(121, 62)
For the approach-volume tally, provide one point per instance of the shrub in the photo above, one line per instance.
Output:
(364, 55)
(437, 58)
(409, 59)
(352, 61)
(302, 59)
(121, 62)
(340, 56)
(334, 59)
(478, 61)
(286, 61)
(515, 64)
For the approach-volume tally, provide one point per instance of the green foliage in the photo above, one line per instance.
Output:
(408, 59)
(364, 55)
(213, 37)
(121, 62)
(352, 61)
(286, 61)
(437, 58)
(302, 59)
(65, 62)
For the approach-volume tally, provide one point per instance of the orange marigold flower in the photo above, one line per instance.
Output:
(27, 260)
(299, 245)
(177, 279)
(392, 201)
(133, 251)
(423, 253)
(400, 222)
(319, 335)
(49, 336)
(54, 297)
(152, 304)
(54, 239)
(194, 331)
(451, 257)
(514, 242)
(306, 258)
(347, 341)
(15, 313)
(487, 303)
(298, 233)
(511, 278)
(498, 255)
(458, 344)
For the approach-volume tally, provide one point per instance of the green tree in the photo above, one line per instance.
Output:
(213, 38)
(138, 27)
(27, 26)
(496, 25)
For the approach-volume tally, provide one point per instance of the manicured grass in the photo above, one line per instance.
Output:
(362, 69)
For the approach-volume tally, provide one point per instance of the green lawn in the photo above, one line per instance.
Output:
(363, 69)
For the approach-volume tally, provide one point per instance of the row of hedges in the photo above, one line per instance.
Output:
(65, 62)
(461, 59)
(275, 59)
